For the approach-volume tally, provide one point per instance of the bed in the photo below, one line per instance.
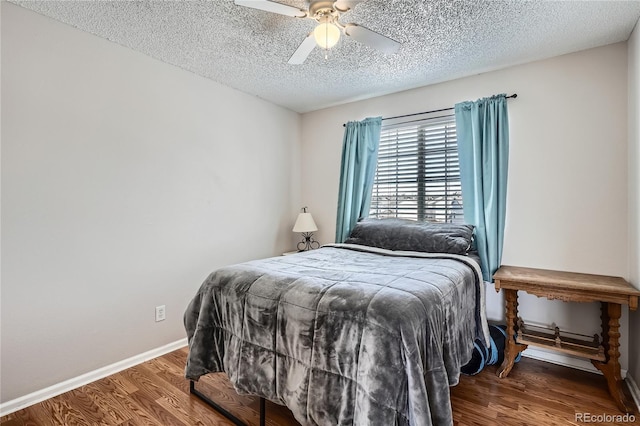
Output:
(362, 333)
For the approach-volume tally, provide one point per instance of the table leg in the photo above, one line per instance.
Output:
(611, 368)
(511, 348)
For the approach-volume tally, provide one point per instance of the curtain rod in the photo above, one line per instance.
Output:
(515, 95)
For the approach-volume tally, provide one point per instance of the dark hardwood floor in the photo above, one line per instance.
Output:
(155, 393)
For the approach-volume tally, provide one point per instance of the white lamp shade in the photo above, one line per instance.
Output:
(326, 35)
(305, 223)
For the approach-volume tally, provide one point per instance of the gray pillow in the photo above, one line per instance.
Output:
(411, 235)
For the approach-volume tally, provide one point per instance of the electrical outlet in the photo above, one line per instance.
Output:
(160, 313)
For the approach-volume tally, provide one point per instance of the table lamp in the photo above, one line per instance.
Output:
(307, 226)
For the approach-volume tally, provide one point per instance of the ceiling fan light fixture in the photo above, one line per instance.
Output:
(327, 14)
(327, 34)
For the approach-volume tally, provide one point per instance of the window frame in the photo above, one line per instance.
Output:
(426, 166)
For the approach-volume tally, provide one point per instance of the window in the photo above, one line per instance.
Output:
(418, 175)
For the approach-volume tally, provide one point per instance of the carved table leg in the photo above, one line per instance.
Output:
(511, 348)
(611, 368)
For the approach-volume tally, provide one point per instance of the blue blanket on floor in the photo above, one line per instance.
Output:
(488, 355)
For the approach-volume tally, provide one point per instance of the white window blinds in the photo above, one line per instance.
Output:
(418, 175)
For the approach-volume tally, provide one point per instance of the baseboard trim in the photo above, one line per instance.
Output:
(560, 359)
(564, 360)
(635, 392)
(73, 383)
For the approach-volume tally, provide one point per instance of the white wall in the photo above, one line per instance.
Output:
(567, 196)
(125, 181)
(634, 195)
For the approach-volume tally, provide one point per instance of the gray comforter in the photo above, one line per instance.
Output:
(342, 335)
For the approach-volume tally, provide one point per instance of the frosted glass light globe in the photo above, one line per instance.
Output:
(326, 35)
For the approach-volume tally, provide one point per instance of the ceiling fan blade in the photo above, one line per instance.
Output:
(371, 38)
(344, 5)
(301, 53)
(271, 6)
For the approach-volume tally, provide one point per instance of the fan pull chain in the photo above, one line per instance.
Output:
(326, 43)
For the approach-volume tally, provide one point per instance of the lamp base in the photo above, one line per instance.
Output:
(308, 242)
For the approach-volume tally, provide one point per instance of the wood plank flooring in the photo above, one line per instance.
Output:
(155, 393)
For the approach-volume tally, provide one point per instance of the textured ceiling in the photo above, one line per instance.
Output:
(441, 40)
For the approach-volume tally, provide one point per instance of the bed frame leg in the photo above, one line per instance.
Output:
(236, 421)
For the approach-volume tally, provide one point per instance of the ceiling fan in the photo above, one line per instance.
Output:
(327, 33)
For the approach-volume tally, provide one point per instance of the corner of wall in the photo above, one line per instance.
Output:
(633, 49)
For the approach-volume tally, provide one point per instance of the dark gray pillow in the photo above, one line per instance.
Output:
(411, 235)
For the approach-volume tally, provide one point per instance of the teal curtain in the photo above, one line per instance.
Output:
(359, 161)
(483, 149)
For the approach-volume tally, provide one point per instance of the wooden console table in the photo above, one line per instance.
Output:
(611, 292)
